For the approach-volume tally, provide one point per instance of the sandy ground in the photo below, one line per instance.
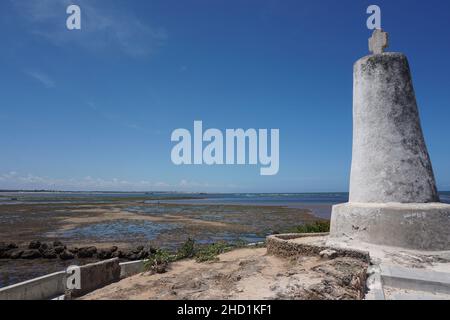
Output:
(112, 214)
(244, 274)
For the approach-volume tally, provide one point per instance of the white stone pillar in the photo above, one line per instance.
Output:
(390, 160)
(393, 198)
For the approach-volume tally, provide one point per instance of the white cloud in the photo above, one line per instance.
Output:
(104, 28)
(14, 180)
(187, 184)
(42, 78)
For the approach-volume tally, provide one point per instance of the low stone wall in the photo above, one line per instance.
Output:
(128, 269)
(42, 288)
(93, 276)
(97, 275)
(279, 245)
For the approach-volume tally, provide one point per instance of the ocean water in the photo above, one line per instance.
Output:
(445, 197)
(319, 203)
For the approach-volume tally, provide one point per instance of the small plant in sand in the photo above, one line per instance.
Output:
(187, 250)
(211, 251)
(159, 261)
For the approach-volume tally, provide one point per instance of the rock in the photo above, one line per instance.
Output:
(139, 253)
(31, 254)
(14, 253)
(132, 256)
(49, 254)
(138, 249)
(87, 252)
(7, 246)
(44, 247)
(5, 250)
(236, 278)
(126, 254)
(74, 250)
(34, 245)
(59, 249)
(66, 255)
(58, 244)
(328, 254)
(106, 253)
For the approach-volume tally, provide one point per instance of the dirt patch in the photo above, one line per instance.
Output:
(245, 274)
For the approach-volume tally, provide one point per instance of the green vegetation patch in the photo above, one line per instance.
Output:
(319, 226)
(160, 260)
(187, 249)
(211, 251)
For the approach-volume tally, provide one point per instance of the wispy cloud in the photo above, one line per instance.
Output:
(103, 27)
(42, 78)
(15, 180)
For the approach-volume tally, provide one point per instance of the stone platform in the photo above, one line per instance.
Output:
(423, 226)
(393, 274)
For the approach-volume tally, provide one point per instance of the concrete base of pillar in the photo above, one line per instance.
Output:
(410, 226)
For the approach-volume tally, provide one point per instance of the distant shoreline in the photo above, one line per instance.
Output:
(172, 192)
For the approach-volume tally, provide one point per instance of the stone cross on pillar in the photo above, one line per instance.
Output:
(393, 199)
(378, 42)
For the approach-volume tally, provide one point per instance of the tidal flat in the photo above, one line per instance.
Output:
(127, 222)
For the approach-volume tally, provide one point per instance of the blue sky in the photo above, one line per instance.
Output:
(94, 109)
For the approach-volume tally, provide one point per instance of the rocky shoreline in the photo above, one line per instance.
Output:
(57, 250)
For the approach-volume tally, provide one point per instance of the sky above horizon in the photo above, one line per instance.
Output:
(94, 109)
